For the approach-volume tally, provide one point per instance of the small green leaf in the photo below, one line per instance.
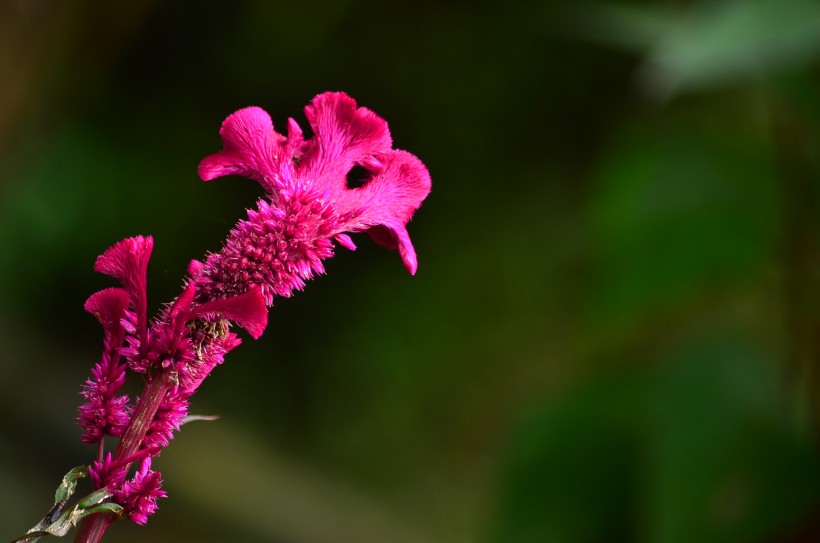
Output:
(61, 496)
(30, 537)
(69, 483)
(58, 522)
(112, 508)
(94, 498)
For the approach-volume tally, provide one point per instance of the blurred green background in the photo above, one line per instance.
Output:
(614, 333)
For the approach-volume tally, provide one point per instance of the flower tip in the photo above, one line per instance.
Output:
(210, 168)
(408, 257)
(195, 268)
(294, 130)
(107, 305)
(256, 319)
(257, 326)
(119, 259)
(395, 236)
(345, 241)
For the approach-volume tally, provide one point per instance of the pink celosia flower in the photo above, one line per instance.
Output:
(282, 243)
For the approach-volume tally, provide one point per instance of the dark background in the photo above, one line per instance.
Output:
(613, 333)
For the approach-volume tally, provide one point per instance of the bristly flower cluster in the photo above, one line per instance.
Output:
(104, 411)
(138, 497)
(308, 207)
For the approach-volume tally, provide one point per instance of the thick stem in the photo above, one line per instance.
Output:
(144, 414)
(92, 528)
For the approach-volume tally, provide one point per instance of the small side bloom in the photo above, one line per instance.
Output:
(106, 472)
(189, 339)
(104, 412)
(167, 341)
(169, 418)
(127, 261)
(138, 496)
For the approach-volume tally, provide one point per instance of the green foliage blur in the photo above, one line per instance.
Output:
(614, 333)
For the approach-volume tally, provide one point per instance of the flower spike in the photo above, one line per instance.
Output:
(308, 207)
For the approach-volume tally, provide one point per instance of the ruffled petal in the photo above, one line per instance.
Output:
(127, 261)
(386, 201)
(344, 137)
(248, 310)
(251, 149)
(395, 236)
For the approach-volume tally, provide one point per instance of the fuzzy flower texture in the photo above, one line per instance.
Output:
(308, 205)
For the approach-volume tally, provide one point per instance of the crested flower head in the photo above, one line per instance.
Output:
(127, 261)
(283, 241)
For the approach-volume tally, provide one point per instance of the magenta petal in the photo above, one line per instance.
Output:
(345, 241)
(344, 136)
(108, 306)
(184, 300)
(396, 237)
(248, 310)
(398, 189)
(251, 149)
(388, 200)
(127, 260)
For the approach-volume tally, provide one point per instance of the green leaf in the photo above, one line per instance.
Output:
(709, 45)
(103, 508)
(69, 484)
(94, 498)
(61, 496)
(58, 522)
(30, 537)
(731, 42)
